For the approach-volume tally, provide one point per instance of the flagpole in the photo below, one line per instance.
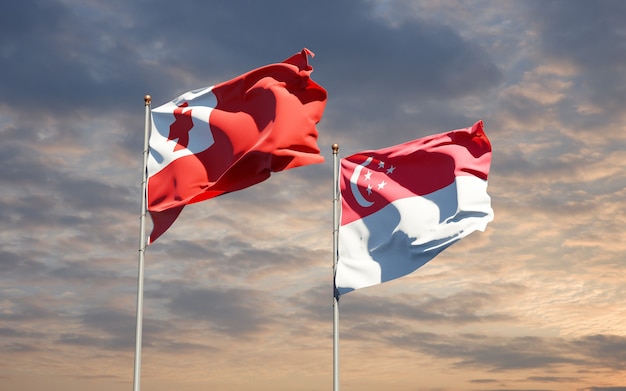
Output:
(142, 245)
(335, 259)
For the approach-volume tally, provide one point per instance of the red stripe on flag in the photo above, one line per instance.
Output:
(415, 168)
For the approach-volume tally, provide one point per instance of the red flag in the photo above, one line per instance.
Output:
(230, 136)
(403, 205)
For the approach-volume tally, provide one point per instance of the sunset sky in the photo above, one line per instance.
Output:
(238, 292)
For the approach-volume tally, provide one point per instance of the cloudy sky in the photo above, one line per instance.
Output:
(238, 293)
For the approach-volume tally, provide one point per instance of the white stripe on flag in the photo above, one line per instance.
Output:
(409, 232)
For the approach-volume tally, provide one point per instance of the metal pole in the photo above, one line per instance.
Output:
(335, 258)
(142, 245)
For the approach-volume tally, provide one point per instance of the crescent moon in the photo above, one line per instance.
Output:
(355, 189)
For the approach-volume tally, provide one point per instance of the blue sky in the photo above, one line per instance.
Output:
(238, 292)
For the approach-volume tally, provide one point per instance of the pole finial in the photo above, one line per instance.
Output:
(335, 148)
(147, 99)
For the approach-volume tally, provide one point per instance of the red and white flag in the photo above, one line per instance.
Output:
(230, 136)
(401, 206)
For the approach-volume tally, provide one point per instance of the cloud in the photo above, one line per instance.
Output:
(498, 354)
(236, 312)
(240, 288)
(594, 48)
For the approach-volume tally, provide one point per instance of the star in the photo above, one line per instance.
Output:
(368, 176)
(369, 189)
(381, 185)
(381, 164)
(391, 169)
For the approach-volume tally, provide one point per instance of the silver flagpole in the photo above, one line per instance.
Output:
(142, 245)
(335, 258)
